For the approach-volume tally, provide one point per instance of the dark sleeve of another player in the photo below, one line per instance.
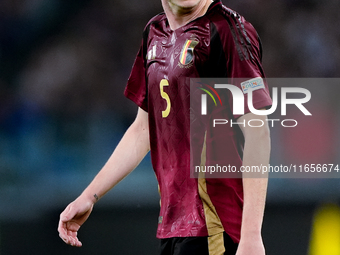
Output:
(242, 48)
(136, 88)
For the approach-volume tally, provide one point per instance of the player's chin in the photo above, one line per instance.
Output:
(186, 4)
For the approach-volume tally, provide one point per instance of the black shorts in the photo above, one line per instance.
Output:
(214, 245)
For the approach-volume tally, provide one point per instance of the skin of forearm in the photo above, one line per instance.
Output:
(129, 152)
(256, 153)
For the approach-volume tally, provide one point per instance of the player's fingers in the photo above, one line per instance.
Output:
(74, 241)
(63, 232)
(70, 238)
(66, 239)
(62, 229)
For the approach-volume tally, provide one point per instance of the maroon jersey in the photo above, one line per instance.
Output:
(219, 44)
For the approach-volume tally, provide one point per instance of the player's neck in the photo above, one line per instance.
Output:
(178, 16)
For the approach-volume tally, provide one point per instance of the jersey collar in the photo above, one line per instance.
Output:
(213, 5)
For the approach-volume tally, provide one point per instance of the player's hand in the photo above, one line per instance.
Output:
(71, 219)
(251, 246)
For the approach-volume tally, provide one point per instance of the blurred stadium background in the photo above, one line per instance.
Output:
(63, 69)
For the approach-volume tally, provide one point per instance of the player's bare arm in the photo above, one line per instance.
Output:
(130, 151)
(256, 152)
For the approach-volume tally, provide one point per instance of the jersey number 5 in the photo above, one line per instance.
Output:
(164, 95)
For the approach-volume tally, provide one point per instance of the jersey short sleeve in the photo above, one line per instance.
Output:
(243, 54)
(245, 69)
(136, 88)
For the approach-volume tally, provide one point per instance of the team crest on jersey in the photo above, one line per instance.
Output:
(187, 53)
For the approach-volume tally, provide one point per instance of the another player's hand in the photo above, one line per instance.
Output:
(251, 246)
(71, 219)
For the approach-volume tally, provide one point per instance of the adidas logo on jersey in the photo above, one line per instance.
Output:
(152, 53)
